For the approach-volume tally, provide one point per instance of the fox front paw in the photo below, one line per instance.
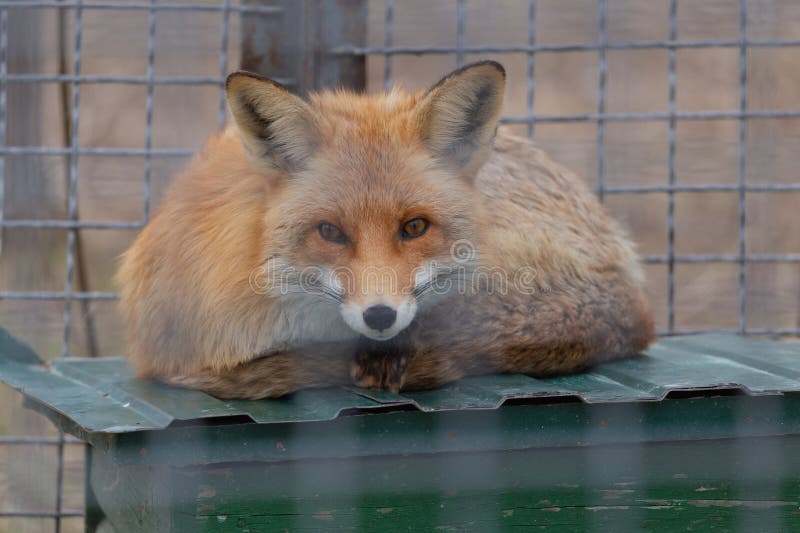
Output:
(379, 372)
(380, 365)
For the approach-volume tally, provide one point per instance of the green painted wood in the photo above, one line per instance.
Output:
(132, 499)
(667, 486)
(606, 450)
(94, 517)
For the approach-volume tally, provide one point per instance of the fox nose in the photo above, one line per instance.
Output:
(379, 317)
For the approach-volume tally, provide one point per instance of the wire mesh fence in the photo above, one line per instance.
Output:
(384, 57)
(73, 151)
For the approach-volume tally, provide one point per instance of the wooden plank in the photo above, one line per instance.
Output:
(501, 512)
(667, 486)
(133, 499)
(94, 520)
(297, 44)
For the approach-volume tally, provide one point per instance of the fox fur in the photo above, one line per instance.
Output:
(559, 284)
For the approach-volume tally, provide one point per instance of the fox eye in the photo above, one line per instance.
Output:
(416, 227)
(331, 233)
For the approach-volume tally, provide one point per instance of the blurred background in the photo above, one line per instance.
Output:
(576, 83)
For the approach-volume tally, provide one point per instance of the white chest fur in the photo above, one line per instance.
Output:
(303, 319)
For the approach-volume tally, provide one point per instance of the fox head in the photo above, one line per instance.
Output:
(372, 205)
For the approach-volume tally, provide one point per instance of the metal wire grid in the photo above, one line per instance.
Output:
(72, 224)
(74, 151)
(601, 117)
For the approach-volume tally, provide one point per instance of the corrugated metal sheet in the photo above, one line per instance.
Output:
(101, 395)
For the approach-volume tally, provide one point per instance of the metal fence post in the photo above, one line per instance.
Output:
(296, 47)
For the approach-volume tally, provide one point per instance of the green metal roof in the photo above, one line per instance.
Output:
(102, 396)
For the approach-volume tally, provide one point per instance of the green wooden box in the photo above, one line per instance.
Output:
(699, 433)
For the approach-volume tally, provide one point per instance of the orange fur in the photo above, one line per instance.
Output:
(367, 163)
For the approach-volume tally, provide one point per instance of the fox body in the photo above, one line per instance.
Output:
(392, 241)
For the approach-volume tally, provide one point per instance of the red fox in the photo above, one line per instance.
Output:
(396, 241)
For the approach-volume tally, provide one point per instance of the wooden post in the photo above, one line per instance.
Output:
(296, 45)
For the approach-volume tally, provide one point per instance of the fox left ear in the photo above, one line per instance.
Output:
(459, 115)
(277, 127)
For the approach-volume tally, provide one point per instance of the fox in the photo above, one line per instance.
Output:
(396, 241)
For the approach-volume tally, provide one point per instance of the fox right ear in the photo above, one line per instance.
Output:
(277, 126)
(458, 116)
